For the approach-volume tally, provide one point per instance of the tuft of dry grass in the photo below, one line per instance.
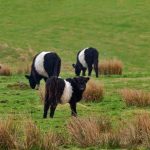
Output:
(32, 136)
(24, 69)
(51, 141)
(8, 132)
(26, 136)
(94, 91)
(136, 132)
(111, 67)
(35, 139)
(5, 70)
(88, 131)
(98, 132)
(135, 97)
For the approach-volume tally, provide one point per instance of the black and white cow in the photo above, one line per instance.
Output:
(62, 91)
(86, 59)
(44, 65)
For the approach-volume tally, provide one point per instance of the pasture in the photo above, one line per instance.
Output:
(119, 29)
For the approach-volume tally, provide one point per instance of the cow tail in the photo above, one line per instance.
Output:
(96, 54)
(51, 90)
(57, 67)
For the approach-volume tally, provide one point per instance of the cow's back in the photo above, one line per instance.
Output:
(39, 64)
(47, 64)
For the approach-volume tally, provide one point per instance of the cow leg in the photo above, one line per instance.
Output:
(89, 70)
(83, 71)
(96, 68)
(52, 110)
(45, 79)
(46, 107)
(73, 109)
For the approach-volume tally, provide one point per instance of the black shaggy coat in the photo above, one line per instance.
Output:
(61, 91)
(44, 65)
(87, 59)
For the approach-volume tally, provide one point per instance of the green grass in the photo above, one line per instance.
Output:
(117, 28)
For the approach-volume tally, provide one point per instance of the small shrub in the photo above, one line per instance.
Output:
(5, 70)
(94, 92)
(135, 97)
(111, 67)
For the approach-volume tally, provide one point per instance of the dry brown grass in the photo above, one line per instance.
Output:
(51, 141)
(41, 93)
(94, 91)
(32, 136)
(129, 134)
(25, 56)
(8, 132)
(5, 70)
(136, 132)
(24, 69)
(35, 139)
(88, 131)
(26, 136)
(135, 97)
(111, 67)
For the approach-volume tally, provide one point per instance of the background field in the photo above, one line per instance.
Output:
(117, 28)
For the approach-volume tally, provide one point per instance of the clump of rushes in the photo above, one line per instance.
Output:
(136, 132)
(111, 67)
(33, 137)
(89, 131)
(5, 70)
(26, 135)
(94, 92)
(51, 141)
(8, 134)
(135, 97)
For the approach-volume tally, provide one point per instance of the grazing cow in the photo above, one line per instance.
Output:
(44, 65)
(62, 91)
(86, 58)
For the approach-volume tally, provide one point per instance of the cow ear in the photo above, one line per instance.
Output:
(87, 79)
(27, 76)
(73, 65)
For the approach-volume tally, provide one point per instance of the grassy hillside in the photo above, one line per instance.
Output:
(117, 28)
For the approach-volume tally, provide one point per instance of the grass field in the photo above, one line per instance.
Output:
(117, 28)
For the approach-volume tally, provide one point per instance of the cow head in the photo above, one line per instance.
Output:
(31, 81)
(81, 82)
(77, 69)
